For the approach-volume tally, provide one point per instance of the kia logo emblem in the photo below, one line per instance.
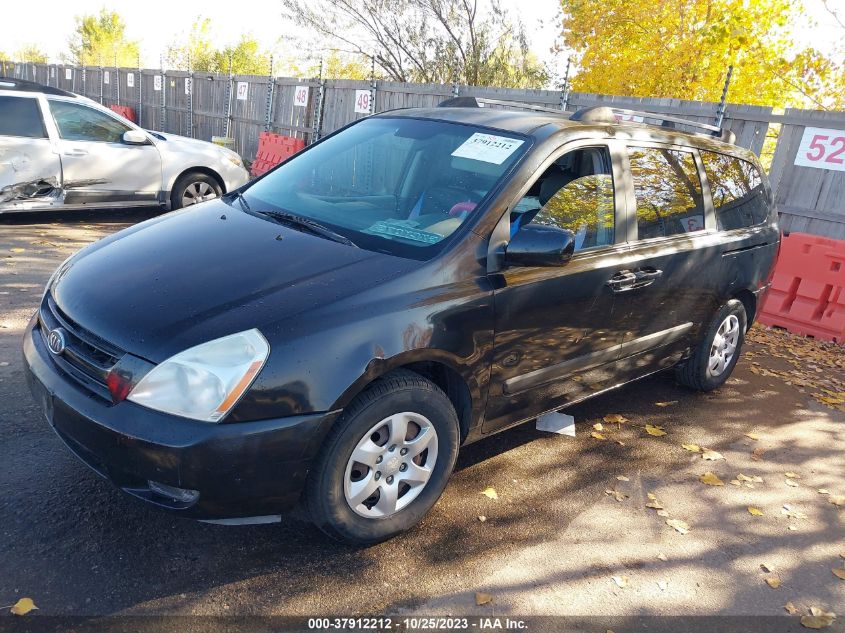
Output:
(56, 341)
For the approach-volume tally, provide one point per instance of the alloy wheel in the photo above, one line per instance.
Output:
(724, 345)
(197, 192)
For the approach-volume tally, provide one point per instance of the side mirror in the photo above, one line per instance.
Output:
(538, 245)
(135, 137)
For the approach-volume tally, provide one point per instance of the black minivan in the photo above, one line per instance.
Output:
(335, 330)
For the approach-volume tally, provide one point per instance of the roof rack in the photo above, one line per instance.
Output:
(596, 114)
(479, 102)
(12, 83)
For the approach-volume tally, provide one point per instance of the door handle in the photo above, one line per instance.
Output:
(646, 276)
(622, 281)
(75, 152)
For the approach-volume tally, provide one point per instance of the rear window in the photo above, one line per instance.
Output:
(667, 190)
(737, 189)
(20, 116)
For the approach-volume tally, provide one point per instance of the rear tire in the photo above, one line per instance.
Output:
(193, 188)
(716, 355)
(395, 483)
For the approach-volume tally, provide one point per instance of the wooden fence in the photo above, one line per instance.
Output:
(810, 195)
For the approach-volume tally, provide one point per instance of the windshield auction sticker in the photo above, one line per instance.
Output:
(488, 148)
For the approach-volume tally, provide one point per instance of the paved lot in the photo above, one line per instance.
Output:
(551, 543)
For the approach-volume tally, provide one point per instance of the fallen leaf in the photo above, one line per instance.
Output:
(668, 403)
(656, 431)
(817, 619)
(736, 482)
(757, 512)
(756, 478)
(651, 496)
(757, 454)
(654, 505)
(711, 455)
(793, 475)
(678, 525)
(662, 513)
(619, 496)
(662, 556)
(490, 493)
(483, 598)
(18, 250)
(622, 478)
(839, 572)
(767, 567)
(791, 609)
(693, 448)
(598, 426)
(482, 518)
(837, 500)
(774, 582)
(752, 436)
(621, 581)
(711, 479)
(823, 491)
(662, 584)
(24, 605)
(597, 435)
(791, 483)
(615, 418)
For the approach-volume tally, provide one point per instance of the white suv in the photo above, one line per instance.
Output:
(59, 150)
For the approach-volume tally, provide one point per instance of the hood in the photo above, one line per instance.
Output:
(173, 143)
(192, 276)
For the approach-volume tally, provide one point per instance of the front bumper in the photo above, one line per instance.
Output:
(243, 469)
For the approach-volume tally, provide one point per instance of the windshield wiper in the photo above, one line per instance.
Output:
(297, 221)
(237, 194)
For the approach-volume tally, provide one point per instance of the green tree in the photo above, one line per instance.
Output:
(30, 53)
(100, 39)
(246, 56)
(682, 48)
(197, 53)
(430, 41)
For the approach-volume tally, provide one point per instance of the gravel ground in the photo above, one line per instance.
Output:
(569, 533)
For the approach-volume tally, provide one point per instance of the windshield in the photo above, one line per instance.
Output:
(397, 185)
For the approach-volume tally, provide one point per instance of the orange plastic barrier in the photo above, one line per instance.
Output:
(125, 111)
(272, 150)
(808, 289)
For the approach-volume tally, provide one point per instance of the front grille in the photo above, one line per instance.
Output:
(87, 359)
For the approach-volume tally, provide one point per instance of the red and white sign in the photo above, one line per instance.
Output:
(300, 96)
(822, 148)
(362, 101)
(188, 85)
(243, 90)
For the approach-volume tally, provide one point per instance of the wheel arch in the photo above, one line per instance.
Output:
(749, 302)
(199, 169)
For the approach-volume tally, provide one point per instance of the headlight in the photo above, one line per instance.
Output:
(234, 158)
(204, 382)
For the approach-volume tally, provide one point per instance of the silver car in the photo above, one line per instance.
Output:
(59, 150)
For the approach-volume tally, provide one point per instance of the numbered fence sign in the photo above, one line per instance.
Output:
(157, 82)
(243, 90)
(188, 85)
(362, 101)
(52, 72)
(105, 76)
(69, 74)
(130, 80)
(300, 96)
(822, 148)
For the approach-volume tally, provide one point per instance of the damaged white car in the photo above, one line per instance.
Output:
(59, 150)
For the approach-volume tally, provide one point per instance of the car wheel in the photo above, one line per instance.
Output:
(193, 188)
(386, 461)
(716, 355)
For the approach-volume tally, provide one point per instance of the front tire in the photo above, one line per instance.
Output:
(386, 461)
(715, 357)
(193, 188)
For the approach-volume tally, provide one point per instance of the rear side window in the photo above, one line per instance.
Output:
(737, 189)
(20, 116)
(80, 123)
(667, 190)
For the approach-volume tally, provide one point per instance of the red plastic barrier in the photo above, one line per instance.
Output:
(125, 111)
(808, 289)
(272, 150)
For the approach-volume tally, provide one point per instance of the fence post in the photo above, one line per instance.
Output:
(373, 85)
(140, 92)
(84, 82)
(720, 111)
(190, 79)
(101, 79)
(230, 89)
(268, 100)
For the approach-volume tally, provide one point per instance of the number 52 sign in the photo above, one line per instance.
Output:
(822, 148)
